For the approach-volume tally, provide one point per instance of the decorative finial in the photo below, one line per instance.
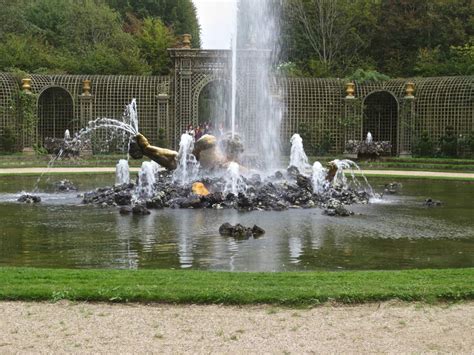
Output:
(26, 84)
(86, 87)
(350, 90)
(187, 41)
(409, 90)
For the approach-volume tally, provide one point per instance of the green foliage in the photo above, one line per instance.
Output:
(466, 145)
(26, 110)
(179, 15)
(162, 142)
(423, 146)
(154, 38)
(8, 140)
(362, 76)
(326, 143)
(289, 69)
(92, 36)
(308, 134)
(398, 37)
(457, 60)
(448, 144)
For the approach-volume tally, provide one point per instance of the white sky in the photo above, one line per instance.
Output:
(217, 20)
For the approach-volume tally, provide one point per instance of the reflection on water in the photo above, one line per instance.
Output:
(396, 232)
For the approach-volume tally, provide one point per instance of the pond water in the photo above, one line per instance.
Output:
(397, 232)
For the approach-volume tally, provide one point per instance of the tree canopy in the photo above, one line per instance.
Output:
(93, 36)
(395, 37)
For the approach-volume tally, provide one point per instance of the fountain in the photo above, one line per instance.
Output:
(122, 173)
(298, 157)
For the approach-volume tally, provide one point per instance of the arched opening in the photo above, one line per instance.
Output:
(380, 118)
(55, 113)
(215, 107)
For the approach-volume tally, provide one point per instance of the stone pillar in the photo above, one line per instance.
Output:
(406, 122)
(352, 117)
(29, 116)
(163, 117)
(86, 110)
(86, 100)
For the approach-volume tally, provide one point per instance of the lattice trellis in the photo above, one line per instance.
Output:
(8, 96)
(171, 102)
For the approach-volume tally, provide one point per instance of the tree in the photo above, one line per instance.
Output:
(179, 15)
(154, 39)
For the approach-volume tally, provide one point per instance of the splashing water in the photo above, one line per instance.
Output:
(341, 179)
(122, 172)
(255, 55)
(298, 157)
(320, 184)
(234, 182)
(146, 180)
(187, 164)
(67, 134)
(368, 139)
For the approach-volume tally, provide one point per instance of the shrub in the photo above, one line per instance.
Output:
(448, 144)
(8, 140)
(423, 146)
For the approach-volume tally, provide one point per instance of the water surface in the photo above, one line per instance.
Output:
(397, 232)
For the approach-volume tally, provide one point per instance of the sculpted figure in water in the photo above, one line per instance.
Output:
(207, 151)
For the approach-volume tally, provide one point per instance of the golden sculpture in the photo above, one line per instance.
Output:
(164, 157)
(409, 90)
(86, 88)
(350, 90)
(26, 84)
(205, 150)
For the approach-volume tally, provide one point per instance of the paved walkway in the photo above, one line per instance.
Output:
(451, 175)
(65, 327)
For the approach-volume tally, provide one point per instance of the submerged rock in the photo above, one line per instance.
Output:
(392, 188)
(239, 231)
(65, 185)
(140, 210)
(27, 198)
(429, 202)
(334, 208)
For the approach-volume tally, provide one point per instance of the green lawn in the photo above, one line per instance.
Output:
(19, 160)
(206, 287)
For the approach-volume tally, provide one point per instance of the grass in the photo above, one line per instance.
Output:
(206, 287)
(20, 160)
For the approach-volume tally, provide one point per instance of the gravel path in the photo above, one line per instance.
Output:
(136, 328)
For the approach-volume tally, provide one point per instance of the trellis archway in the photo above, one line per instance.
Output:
(380, 117)
(55, 113)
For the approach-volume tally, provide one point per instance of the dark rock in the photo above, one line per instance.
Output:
(336, 208)
(292, 171)
(239, 231)
(27, 198)
(257, 231)
(192, 201)
(279, 175)
(304, 182)
(140, 210)
(123, 198)
(429, 202)
(393, 188)
(126, 210)
(65, 185)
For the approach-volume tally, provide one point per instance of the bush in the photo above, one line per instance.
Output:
(466, 145)
(326, 143)
(8, 140)
(448, 144)
(423, 146)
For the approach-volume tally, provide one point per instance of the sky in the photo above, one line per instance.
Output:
(217, 20)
